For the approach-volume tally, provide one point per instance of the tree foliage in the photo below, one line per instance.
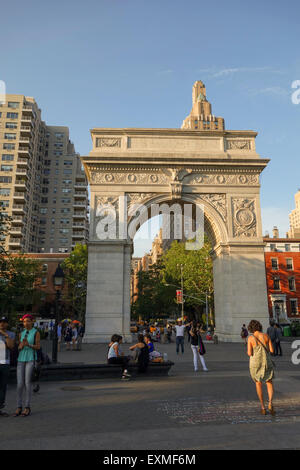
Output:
(154, 299)
(19, 290)
(75, 269)
(157, 287)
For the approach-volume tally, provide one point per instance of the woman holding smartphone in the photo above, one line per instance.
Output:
(29, 344)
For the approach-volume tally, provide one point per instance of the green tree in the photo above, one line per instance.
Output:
(154, 299)
(75, 269)
(23, 282)
(197, 273)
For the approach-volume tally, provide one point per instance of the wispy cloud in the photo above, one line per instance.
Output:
(226, 72)
(273, 90)
(231, 71)
(165, 72)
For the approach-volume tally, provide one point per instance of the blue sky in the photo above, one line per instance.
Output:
(132, 63)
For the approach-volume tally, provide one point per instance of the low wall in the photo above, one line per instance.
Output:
(81, 371)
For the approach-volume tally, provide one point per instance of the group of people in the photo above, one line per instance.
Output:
(260, 347)
(72, 333)
(275, 334)
(143, 352)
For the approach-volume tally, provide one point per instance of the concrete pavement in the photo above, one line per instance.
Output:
(187, 410)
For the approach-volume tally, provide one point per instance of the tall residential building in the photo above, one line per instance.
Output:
(294, 216)
(64, 198)
(42, 185)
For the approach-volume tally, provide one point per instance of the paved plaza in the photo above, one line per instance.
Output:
(187, 410)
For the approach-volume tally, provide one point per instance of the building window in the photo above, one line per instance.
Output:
(44, 200)
(287, 247)
(294, 306)
(7, 157)
(4, 203)
(272, 247)
(10, 136)
(4, 192)
(292, 285)
(13, 104)
(5, 179)
(59, 135)
(62, 250)
(68, 162)
(66, 201)
(45, 268)
(11, 125)
(44, 281)
(43, 210)
(289, 264)
(6, 168)
(274, 262)
(276, 283)
(8, 146)
(67, 172)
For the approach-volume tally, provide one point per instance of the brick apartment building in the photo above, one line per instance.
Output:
(282, 260)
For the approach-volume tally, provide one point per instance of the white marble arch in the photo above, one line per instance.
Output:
(160, 165)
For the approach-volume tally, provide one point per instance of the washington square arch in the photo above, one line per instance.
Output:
(200, 163)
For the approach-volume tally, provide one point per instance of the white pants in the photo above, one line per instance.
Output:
(196, 357)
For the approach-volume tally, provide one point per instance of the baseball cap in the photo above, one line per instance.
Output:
(4, 319)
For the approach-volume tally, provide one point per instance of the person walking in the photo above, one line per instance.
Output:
(29, 344)
(68, 336)
(59, 335)
(7, 342)
(261, 366)
(80, 336)
(271, 332)
(74, 336)
(278, 350)
(197, 347)
(244, 334)
(115, 355)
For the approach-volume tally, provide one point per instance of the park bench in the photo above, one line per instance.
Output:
(82, 371)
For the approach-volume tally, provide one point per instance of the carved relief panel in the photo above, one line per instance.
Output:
(244, 217)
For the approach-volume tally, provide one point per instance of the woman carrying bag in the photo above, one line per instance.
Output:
(197, 347)
(28, 347)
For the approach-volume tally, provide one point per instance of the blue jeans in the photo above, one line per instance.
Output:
(4, 374)
(24, 380)
(180, 341)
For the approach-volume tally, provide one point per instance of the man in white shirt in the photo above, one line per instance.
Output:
(179, 329)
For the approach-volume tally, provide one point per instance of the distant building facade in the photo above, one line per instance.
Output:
(294, 217)
(42, 185)
(282, 260)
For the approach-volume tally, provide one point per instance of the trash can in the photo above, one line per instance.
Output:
(287, 331)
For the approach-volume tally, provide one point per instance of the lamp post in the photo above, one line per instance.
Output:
(58, 280)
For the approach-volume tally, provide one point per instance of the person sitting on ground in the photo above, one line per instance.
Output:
(152, 353)
(115, 355)
(141, 353)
